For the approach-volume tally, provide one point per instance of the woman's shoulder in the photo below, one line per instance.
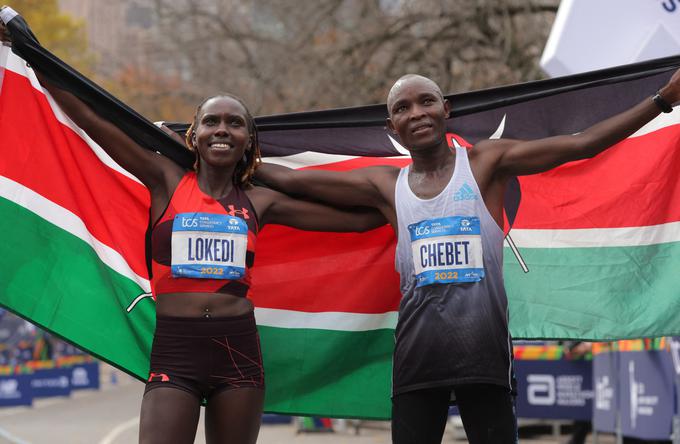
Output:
(261, 198)
(258, 191)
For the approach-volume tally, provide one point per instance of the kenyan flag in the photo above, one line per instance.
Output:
(73, 226)
(593, 241)
(73, 262)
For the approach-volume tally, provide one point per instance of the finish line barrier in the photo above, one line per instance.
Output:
(19, 389)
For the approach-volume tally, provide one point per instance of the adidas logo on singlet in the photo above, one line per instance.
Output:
(465, 193)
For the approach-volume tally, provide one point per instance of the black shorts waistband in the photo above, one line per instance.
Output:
(203, 326)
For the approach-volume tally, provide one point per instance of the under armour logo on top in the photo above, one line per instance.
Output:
(242, 212)
(465, 193)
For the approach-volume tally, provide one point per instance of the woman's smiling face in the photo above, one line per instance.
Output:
(222, 134)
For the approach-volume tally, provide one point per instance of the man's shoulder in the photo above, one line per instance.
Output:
(489, 148)
(489, 145)
(382, 178)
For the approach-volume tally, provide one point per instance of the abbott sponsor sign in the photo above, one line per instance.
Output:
(589, 35)
(554, 389)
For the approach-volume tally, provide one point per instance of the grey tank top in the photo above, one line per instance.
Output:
(453, 315)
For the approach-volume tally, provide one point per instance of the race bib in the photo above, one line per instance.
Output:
(447, 250)
(209, 246)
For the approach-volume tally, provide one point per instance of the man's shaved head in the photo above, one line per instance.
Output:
(408, 78)
(417, 112)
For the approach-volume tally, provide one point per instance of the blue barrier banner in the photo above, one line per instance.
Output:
(646, 394)
(605, 375)
(50, 382)
(269, 418)
(556, 389)
(675, 353)
(84, 376)
(15, 390)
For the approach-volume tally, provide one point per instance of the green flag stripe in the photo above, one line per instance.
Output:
(347, 374)
(58, 281)
(595, 293)
(61, 217)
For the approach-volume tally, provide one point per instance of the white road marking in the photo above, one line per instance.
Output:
(11, 438)
(118, 430)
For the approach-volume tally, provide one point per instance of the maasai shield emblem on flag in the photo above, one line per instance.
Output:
(596, 240)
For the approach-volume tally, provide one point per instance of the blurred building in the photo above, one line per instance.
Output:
(120, 33)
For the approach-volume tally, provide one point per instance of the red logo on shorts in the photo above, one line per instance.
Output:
(242, 212)
(158, 377)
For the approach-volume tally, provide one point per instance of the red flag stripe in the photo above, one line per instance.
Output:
(57, 163)
(45, 148)
(348, 272)
(614, 190)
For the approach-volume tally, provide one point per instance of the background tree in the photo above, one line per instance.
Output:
(163, 56)
(150, 92)
(63, 34)
(289, 56)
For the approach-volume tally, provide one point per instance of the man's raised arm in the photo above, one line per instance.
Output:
(517, 157)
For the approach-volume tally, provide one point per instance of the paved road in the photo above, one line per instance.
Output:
(111, 416)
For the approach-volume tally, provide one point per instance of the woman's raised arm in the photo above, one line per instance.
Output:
(152, 169)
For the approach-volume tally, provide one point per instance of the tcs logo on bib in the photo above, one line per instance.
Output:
(422, 230)
(189, 222)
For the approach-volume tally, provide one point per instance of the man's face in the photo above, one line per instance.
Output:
(417, 113)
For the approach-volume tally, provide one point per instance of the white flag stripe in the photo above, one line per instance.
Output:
(499, 131)
(330, 320)
(311, 159)
(399, 147)
(306, 159)
(597, 237)
(659, 122)
(68, 221)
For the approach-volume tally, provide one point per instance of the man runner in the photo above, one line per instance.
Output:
(452, 338)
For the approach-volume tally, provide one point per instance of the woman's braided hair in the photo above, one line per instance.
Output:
(244, 171)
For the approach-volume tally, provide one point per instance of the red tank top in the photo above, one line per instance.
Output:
(192, 249)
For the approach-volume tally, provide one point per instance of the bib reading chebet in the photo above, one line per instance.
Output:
(447, 250)
(209, 246)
